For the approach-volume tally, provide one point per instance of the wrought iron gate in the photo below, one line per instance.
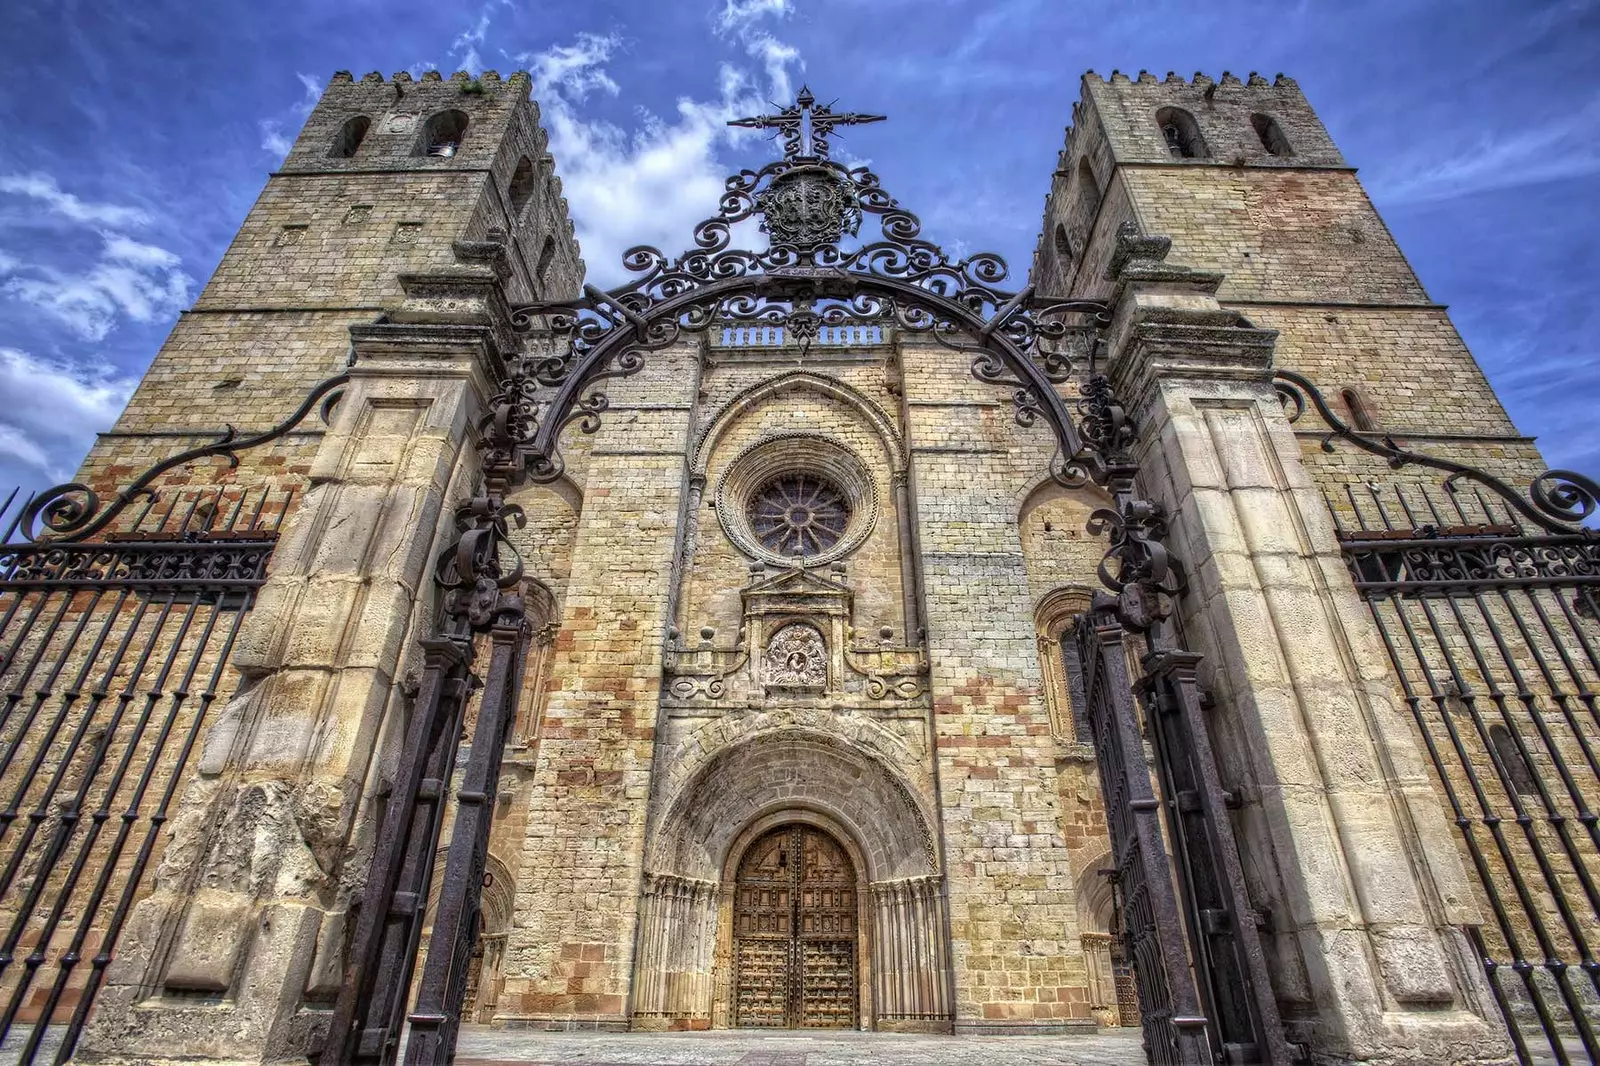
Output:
(1488, 603)
(112, 653)
(1495, 638)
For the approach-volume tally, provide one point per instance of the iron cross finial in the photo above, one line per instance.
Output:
(804, 125)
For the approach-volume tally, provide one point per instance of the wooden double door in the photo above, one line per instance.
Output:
(794, 929)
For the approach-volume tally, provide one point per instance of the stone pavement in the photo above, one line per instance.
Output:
(481, 1046)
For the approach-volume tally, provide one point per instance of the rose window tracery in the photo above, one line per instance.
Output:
(799, 515)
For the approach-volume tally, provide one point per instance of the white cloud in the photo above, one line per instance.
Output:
(43, 187)
(464, 49)
(1560, 148)
(66, 406)
(738, 15)
(276, 137)
(574, 70)
(132, 279)
(653, 184)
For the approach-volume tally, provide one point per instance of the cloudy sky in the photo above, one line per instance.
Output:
(136, 136)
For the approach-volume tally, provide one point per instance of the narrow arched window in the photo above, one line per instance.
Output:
(1063, 243)
(523, 181)
(1181, 133)
(1077, 697)
(1512, 760)
(547, 256)
(443, 134)
(1088, 194)
(1360, 414)
(351, 134)
(1271, 135)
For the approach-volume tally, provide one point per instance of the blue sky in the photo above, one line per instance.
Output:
(136, 136)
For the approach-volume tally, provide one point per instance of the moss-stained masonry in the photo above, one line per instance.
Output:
(912, 698)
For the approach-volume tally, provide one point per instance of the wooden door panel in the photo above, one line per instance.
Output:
(794, 933)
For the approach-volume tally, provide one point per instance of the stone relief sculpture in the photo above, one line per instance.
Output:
(796, 658)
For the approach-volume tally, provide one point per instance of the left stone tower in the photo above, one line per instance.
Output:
(408, 216)
(388, 178)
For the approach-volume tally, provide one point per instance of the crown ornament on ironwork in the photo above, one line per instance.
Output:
(810, 203)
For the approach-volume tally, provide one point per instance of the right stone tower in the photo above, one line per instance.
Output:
(1284, 366)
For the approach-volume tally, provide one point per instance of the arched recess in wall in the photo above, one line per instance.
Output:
(547, 257)
(790, 770)
(878, 450)
(350, 136)
(1181, 133)
(1271, 135)
(543, 621)
(1359, 409)
(1088, 198)
(1065, 254)
(443, 134)
(1055, 622)
(494, 925)
(797, 381)
(523, 182)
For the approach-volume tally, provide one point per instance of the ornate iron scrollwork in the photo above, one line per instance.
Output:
(1557, 500)
(73, 511)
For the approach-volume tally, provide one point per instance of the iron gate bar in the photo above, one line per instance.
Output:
(178, 629)
(1170, 1014)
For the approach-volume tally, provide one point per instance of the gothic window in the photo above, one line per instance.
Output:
(443, 134)
(1182, 134)
(350, 137)
(799, 515)
(522, 185)
(1271, 134)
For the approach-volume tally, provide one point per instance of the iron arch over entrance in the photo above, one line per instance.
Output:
(795, 930)
(1202, 971)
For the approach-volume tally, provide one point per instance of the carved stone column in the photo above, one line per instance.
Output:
(910, 974)
(270, 842)
(1350, 858)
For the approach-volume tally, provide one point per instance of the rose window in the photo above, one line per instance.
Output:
(799, 515)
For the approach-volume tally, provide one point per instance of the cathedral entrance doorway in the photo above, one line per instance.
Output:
(795, 933)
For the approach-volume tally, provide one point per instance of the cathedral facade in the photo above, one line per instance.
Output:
(802, 689)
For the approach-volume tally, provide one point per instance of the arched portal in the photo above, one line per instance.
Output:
(794, 932)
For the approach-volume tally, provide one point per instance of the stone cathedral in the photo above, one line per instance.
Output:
(1180, 636)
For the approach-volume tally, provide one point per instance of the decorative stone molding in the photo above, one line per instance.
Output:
(1058, 610)
(795, 453)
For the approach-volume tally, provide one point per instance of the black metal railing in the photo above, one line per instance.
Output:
(112, 653)
(1494, 634)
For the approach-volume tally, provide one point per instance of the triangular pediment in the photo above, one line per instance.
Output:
(796, 589)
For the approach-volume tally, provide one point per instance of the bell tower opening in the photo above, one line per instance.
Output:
(795, 926)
